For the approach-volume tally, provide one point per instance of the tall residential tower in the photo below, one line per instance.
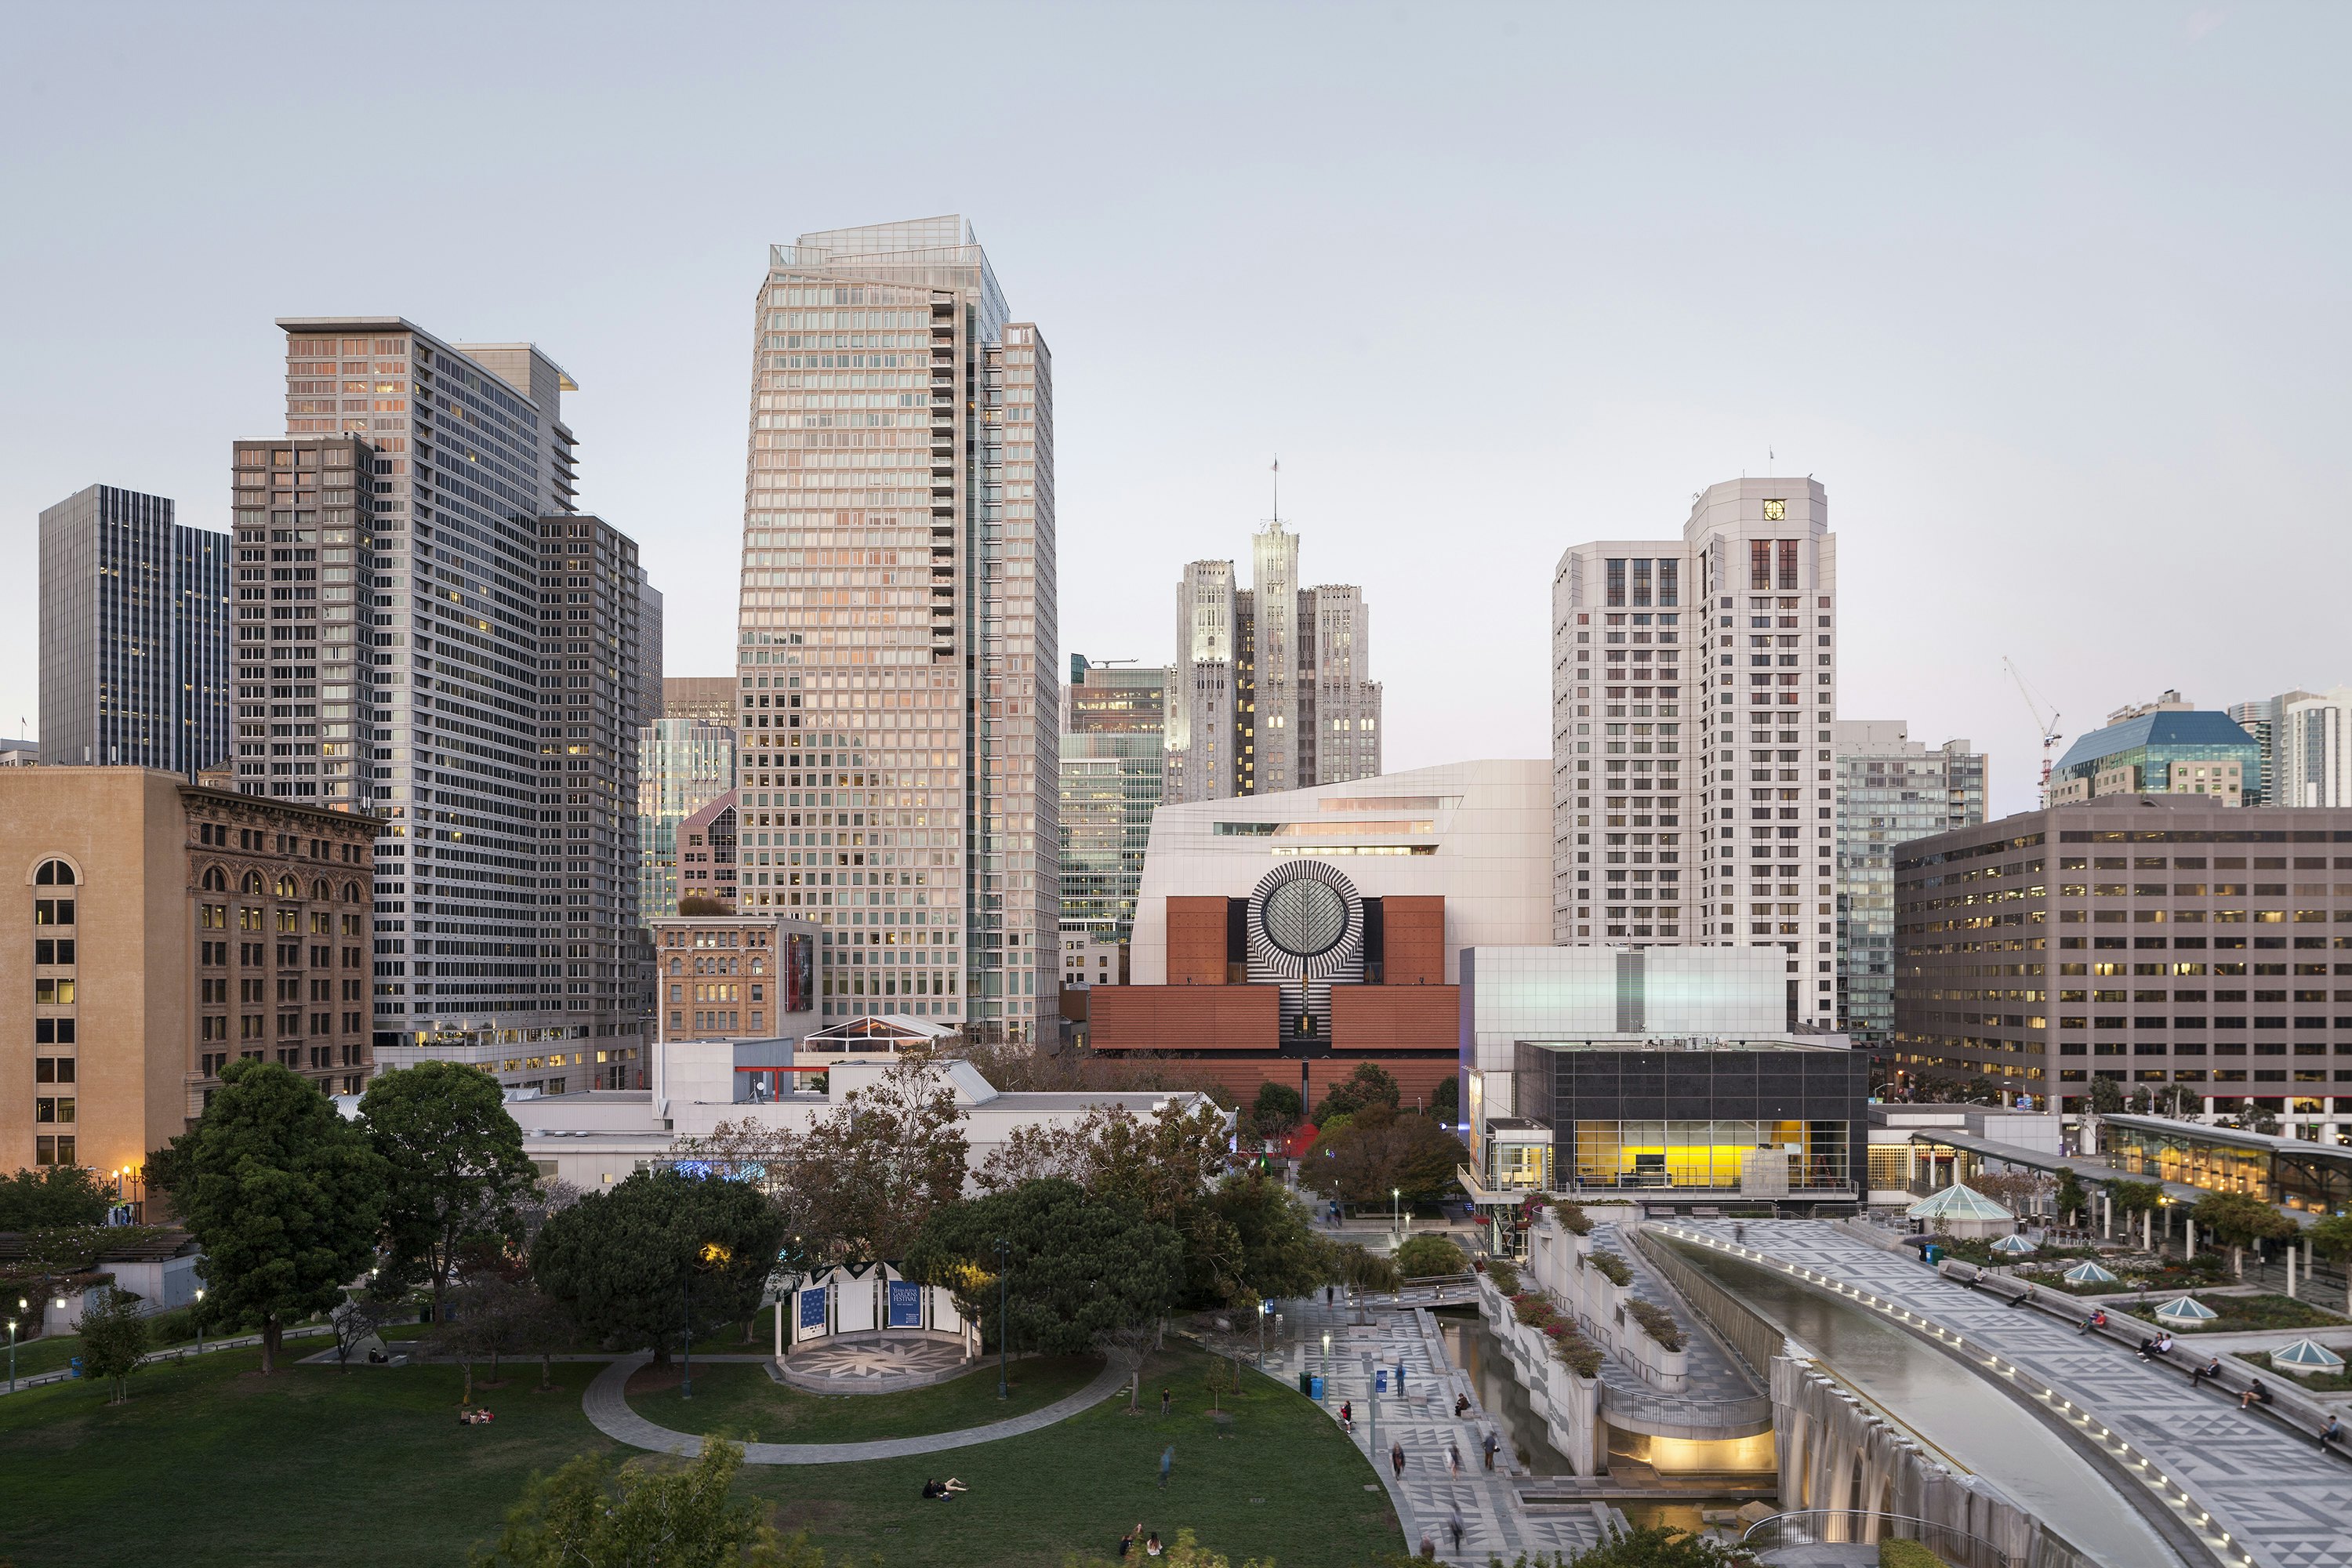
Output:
(1694, 682)
(1891, 789)
(134, 635)
(896, 764)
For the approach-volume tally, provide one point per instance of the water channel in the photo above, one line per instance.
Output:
(1957, 1415)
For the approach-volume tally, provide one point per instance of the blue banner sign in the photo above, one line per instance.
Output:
(906, 1304)
(812, 1307)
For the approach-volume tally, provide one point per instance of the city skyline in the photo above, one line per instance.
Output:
(1922, 344)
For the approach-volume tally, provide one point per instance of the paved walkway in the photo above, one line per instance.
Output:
(1430, 1494)
(608, 1411)
(2279, 1498)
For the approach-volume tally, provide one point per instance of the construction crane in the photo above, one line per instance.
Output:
(2049, 728)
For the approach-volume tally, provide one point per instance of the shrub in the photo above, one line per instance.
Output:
(1612, 1267)
(1505, 1277)
(1428, 1255)
(1907, 1554)
(1573, 1218)
(1577, 1353)
(1658, 1324)
(1533, 1310)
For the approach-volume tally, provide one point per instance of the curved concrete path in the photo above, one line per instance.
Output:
(608, 1411)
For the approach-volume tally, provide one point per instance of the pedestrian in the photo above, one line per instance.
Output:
(1163, 1401)
(1490, 1443)
(1167, 1463)
(1347, 1415)
(1739, 1232)
(1327, 1295)
(1396, 1459)
(1453, 1523)
(1453, 1456)
(2335, 1430)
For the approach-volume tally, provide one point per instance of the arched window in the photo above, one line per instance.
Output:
(54, 874)
(252, 883)
(215, 879)
(288, 888)
(351, 892)
(320, 892)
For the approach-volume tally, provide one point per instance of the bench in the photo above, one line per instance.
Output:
(2289, 1406)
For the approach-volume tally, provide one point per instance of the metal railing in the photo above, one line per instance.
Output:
(1687, 1414)
(1835, 1526)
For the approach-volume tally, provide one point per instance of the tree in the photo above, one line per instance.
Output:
(53, 1197)
(282, 1193)
(1657, 1546)
(489, 1317)
(1077, 1267)
(1377, 1151)
(1446, 1103)
(2332, 1239)
(1360, 1272)
(2237, 1220)
(2135, 1197)
(588, 1515)
(113, 1338)
(631, 1264)
(1277, 1109)
(454, 1167)
(2106, 1096)
(1428, 1255)
(2071, 1198)
(1368, 1085)
(1275, 1252)
(357, 1321)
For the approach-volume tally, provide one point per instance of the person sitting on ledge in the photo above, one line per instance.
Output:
(2255, 1395)
(2098, 1319)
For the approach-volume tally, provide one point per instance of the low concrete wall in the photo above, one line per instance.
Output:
(1569, 1405)
(1561, 1262)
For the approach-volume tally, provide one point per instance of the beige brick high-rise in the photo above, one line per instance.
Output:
(1694, 685)
(158, 930)
(898, 762)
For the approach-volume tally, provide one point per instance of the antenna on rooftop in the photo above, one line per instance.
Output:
(1278, 487)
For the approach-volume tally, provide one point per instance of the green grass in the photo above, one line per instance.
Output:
(730, 1396)
(1078, 1485)
(2242, 1314)
(212, 1464)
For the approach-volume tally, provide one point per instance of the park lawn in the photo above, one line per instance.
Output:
(212, 1463)
(1281, 1482)
(743, 1401)
(2242, 1315)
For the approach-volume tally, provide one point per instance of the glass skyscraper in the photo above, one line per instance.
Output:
(1113, 767)
(134, 635)
(897, 740)
(1890, 790)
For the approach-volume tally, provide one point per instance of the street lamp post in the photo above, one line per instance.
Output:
(686, 1382)
(1261, 1336)
(199, 1315)
(1003, 1391)
(12, 1355)
(1394, 1214)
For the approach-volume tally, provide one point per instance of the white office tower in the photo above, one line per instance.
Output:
(2307, 742)
(1694, 683)
(897, 752)
(1271, 688)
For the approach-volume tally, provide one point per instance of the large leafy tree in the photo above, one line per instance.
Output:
(2332, 1239)
(1077, 1268)
(635, 1264)
(1367, 1086)
(113, 1338)
(456, 1171)
(2238, 1220)
(1275, 1252)
(1377, 1151)
(283, 1194)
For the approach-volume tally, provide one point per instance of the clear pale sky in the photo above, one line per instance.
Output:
(2051, 298)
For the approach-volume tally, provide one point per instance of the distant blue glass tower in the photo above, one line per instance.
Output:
(135, 666)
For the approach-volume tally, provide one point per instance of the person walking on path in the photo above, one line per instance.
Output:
(1490, 1444)
(1453, 1523)
(1167, 1463)
(1396, 1459)
(1453, 1456)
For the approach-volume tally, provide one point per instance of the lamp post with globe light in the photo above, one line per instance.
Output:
(199, 1315)
(710, 1255)
(12, 1355)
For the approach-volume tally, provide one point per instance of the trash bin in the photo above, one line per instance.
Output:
(73, 1368)
(1304, 1381)
(1315, 1389)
